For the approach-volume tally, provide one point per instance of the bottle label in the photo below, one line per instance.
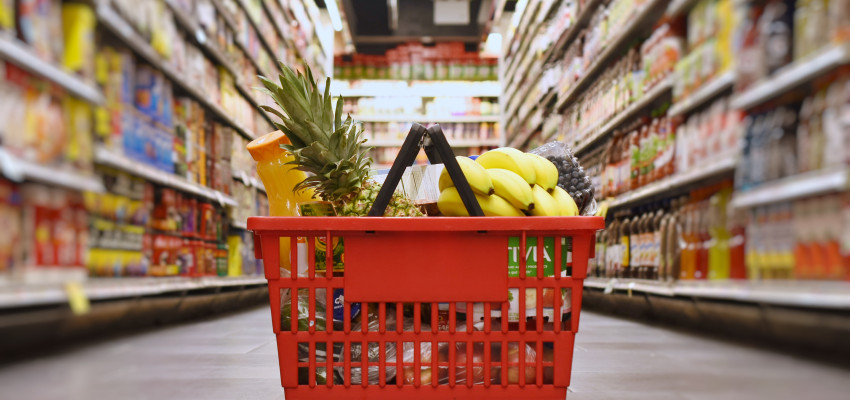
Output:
(625, 251)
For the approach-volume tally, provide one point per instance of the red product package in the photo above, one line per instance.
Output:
(161, 256)
(207, 230)
(38, 226)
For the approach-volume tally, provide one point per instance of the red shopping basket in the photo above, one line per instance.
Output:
(428, 308)
(396, 263)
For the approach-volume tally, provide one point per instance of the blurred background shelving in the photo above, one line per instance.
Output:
(717, 159)
(123, 136)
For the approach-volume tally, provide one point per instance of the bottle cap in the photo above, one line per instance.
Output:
(267, 146)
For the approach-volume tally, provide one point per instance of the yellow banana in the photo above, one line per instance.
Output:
(511, 160)
(544, 204)
(546, 172)
(475, 174)
(566, 204)
(512, 188)
(450, 204)
(499, 207)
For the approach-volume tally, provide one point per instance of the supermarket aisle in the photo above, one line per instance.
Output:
(233, 357)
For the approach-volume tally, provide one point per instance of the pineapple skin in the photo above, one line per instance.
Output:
(399, 205)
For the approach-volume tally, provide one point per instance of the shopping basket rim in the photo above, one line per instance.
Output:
(563, 225)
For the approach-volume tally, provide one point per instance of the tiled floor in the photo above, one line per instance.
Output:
(234, 357)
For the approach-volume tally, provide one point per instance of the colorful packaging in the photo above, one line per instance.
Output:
(7, 15)
(10, 220)
(531, 256)
(78, 26)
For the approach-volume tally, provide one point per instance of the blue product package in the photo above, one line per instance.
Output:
(128, 85)
(128, 126)
(167, 106)
(167, 151)
(339, 306)
(137, 131)
(150, 143)
(156, 139)
(163, 155)
(144, 90)
(156, 96)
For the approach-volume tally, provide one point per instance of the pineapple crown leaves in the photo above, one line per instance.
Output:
(322, 143)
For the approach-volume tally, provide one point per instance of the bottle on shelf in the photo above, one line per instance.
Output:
(719, 256)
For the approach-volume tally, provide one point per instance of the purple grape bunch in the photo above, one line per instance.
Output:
(571, 177)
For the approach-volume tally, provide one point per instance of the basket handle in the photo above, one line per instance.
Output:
(438, 151)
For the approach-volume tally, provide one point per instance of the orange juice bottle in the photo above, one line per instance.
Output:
(280, 180)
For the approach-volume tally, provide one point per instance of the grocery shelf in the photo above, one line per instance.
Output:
(629, 112)
(228, 19)
(19, 170)
(392, 88)
(703, 94)
(565, 38)
(123, 30)
(795, 293)
(525, 54)
(794, 187)
(680, 7)
(427, 118)
(220, 9)
(113, 159)
(635, 285)
(521, 35)
(793, 75)
(719, 166)
(192, 26)
(20, 54)
(645, 15)
(452, 143)
(249, 181)
(266, 45)
(13, 295)
(523, 137)
(514, 103)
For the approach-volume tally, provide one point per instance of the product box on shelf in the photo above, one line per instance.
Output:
(54, 229)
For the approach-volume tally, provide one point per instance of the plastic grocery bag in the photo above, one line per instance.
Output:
(571, 176)
(461, 358)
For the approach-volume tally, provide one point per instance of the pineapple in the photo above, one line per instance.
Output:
(326, 147)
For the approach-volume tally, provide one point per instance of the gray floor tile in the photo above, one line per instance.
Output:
(235, 357)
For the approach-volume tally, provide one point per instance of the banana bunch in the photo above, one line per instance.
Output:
(508, 183)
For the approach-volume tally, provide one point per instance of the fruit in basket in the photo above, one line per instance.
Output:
(544, 204)
(573, 179)
(513, 357)
(461, 375)
(545, 171)
(408, 375)
(327, 147)
(566, 203)
(511, 187)
(475, 174)
(450, 204)
(511, 160)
